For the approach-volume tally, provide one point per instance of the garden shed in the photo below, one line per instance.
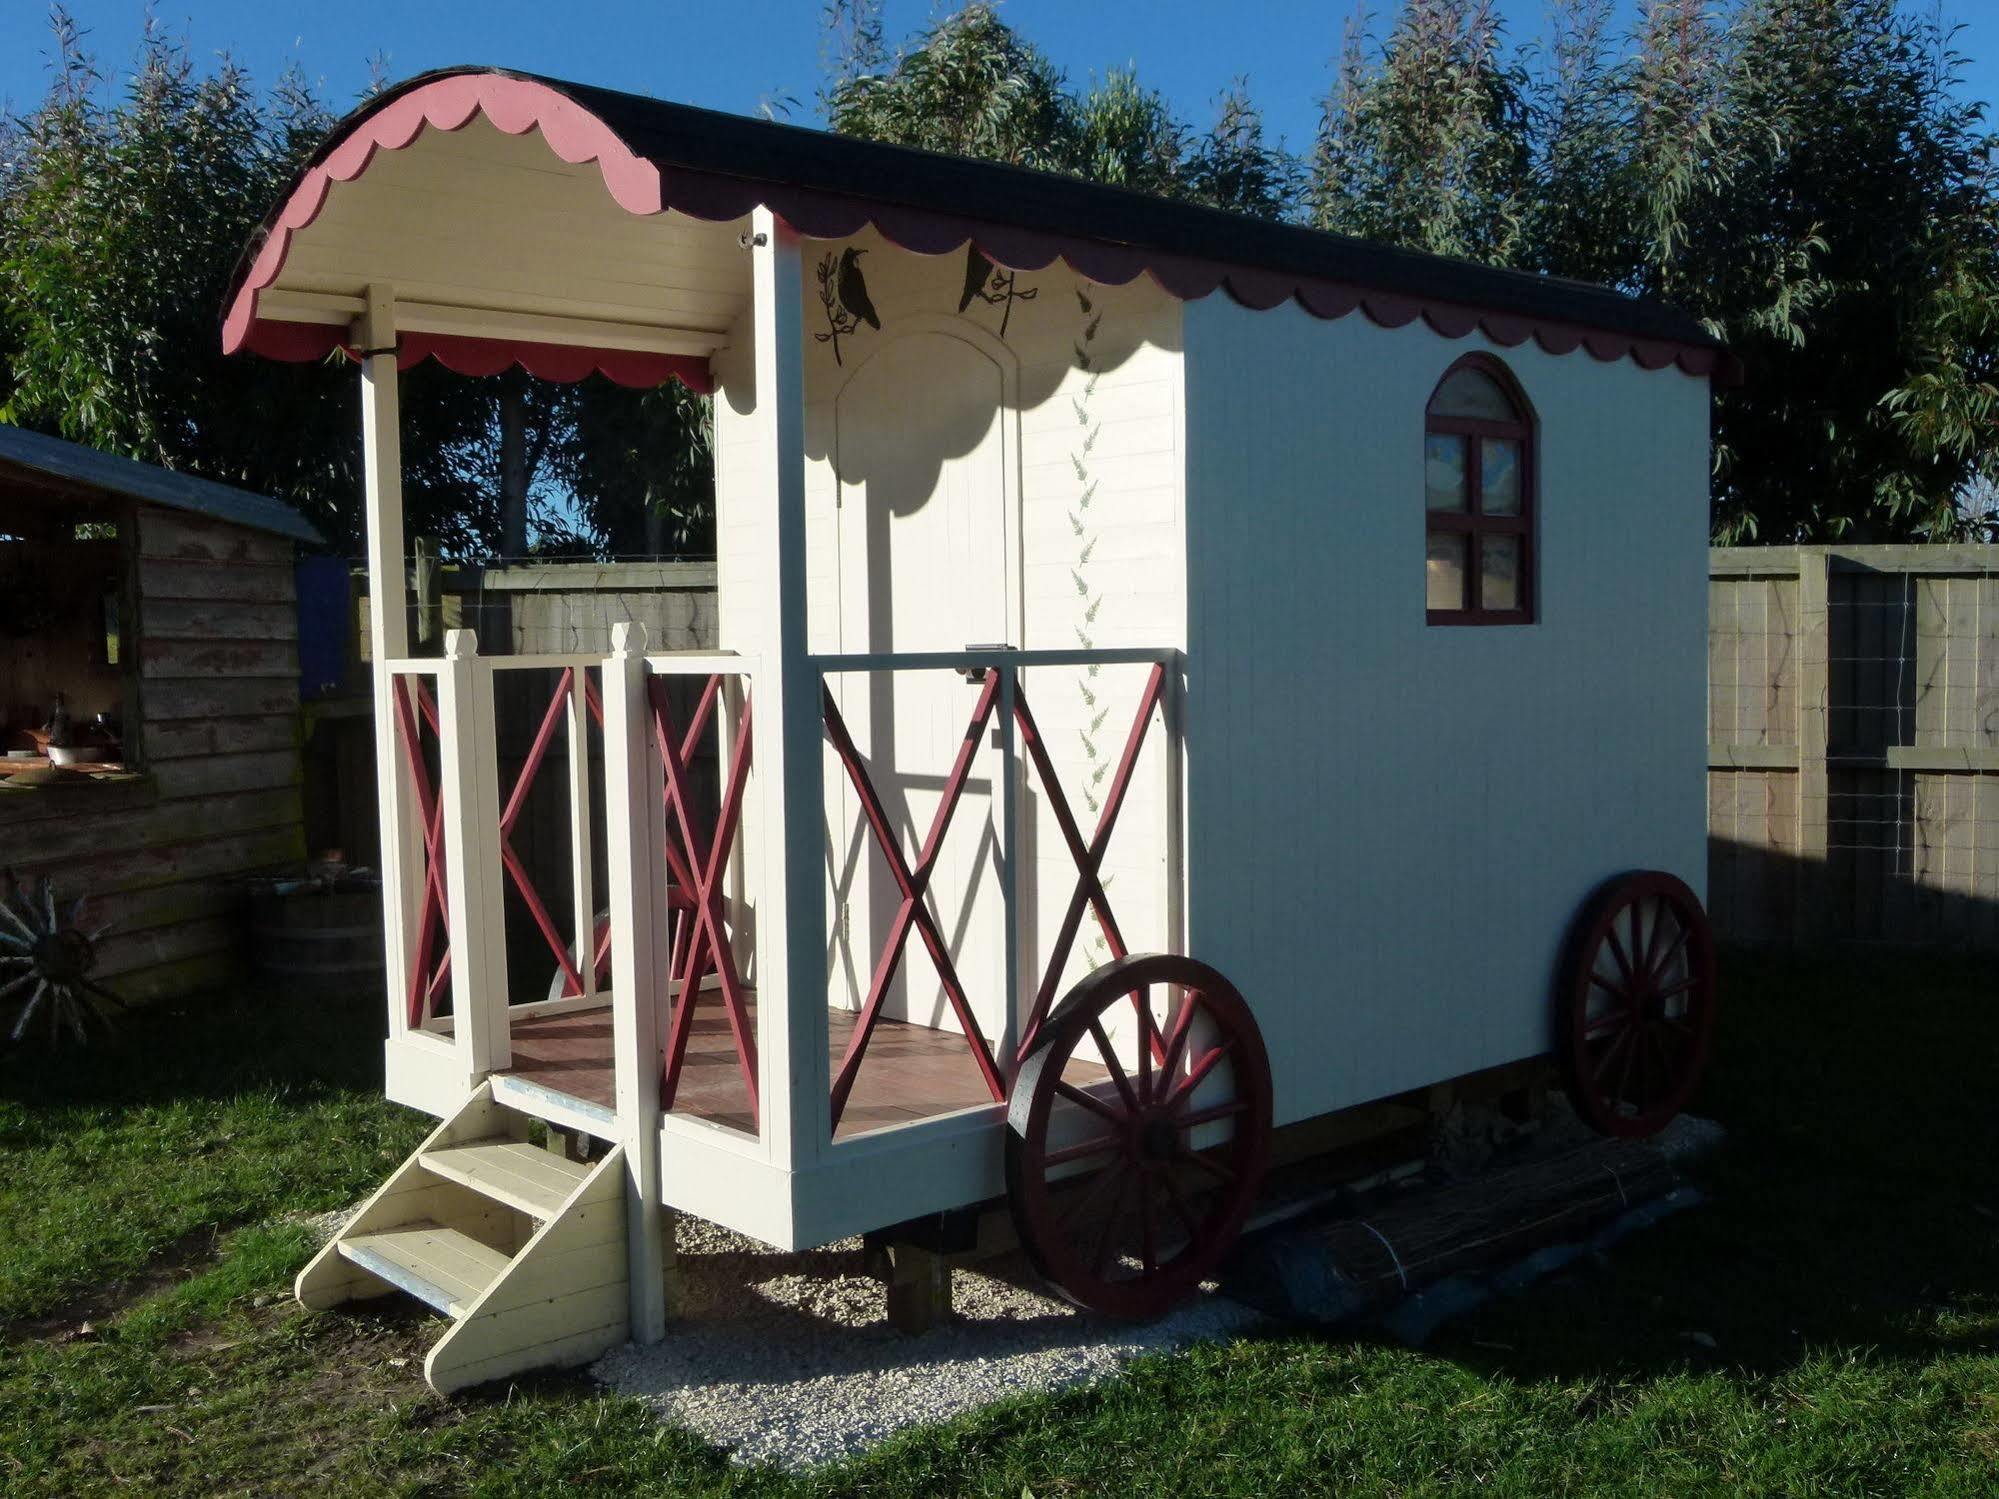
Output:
(160, 608)
(1178, 679)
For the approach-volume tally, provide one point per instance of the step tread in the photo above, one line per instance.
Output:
(448, 1269)
(522, 1175)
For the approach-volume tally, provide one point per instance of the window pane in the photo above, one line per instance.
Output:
(1473, 393)
(1446, 568)
(1499, 476)
(1444, 471)
(1499, 572)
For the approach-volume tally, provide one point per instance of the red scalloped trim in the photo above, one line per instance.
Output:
(516, 105)
(303, 342)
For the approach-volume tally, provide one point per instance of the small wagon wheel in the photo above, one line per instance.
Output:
(1635, 1007)
(1137, 1134)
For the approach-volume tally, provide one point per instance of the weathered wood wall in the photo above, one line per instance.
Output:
(1853, 744)
(217, 724)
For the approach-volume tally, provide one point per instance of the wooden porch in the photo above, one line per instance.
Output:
(911, 1071)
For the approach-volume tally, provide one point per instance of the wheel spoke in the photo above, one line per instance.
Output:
(1197, 1074)
(1183, 1025)
(1143, 1000)
(1617, 951)
(1690, 982)
(1593, 1030)
(1088, 1101)
(1609, 1052)
(1623, 1090)
(1215, 1111)
(1660, 964)
(1603, 983)
(1106, 1239)
(1215, 1169)
(1147, 1233)
(1082, 1151)
(1087, 1197)
(1181, 1210)
(1113, 1066)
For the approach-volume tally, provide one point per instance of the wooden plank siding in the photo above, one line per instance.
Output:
(215, 728)
(1853, 744)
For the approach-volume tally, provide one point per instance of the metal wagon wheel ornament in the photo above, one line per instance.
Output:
(47, 954)
(1635, 1011)
(1137, 1134)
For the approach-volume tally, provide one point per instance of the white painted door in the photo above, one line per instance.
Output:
(927, 542)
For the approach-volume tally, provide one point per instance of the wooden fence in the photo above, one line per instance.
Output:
(1853, 744)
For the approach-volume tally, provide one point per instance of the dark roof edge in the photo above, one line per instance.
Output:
(62, 459)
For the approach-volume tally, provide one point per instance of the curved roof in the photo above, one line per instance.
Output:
(655, 156)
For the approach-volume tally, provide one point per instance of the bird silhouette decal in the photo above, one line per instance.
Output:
(843, 292)
(986, 282)
(854, 288)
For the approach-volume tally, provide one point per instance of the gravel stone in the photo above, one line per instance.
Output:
(789, 1358)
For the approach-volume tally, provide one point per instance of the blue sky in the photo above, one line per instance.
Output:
(733, 54)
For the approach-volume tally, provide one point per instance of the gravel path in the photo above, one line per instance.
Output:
(789, 1357)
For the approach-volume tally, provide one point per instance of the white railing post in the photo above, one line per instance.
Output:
(469, 784)
(791, 960)
(582, 899)
(398, 821)
(635, 826)
(1009, 1037)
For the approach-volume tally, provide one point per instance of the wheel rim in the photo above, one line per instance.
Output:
(1637, 1004)
(1131, 1167)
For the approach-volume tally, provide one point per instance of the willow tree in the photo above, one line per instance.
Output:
(970, 85)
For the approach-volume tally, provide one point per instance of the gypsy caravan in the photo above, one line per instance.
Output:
(1181, 679)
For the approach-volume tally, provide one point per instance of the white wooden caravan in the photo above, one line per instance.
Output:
(1098, 576)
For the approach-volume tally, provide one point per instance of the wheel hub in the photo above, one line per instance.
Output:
(1157, 1139)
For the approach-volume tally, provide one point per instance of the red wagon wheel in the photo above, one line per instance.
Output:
(1636, 1005)
(1137, 1134)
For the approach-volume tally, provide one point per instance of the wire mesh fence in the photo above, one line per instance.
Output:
(1853, 732)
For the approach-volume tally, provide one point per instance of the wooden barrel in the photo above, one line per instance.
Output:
(319, 941)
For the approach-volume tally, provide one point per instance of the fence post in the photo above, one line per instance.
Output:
(469, 783)
(1814, 657)
(635, 827)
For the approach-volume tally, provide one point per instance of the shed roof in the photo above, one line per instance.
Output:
(656, 156)
(53, 457)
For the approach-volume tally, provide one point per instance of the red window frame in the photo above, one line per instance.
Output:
(1472, 522)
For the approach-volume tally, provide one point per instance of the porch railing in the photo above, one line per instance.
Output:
(1002, 704)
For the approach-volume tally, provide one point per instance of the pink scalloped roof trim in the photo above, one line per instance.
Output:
(517, 105)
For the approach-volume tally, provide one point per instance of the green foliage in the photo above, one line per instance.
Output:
(971, 85)
(1803, 175)
(1425, 143)
(121, 217)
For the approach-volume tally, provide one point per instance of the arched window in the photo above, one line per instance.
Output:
(1478, 479)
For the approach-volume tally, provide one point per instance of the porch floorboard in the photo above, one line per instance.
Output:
(910, 1071)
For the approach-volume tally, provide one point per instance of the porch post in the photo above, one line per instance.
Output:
(388, 639)
(635, 835)
(791, 952)
(469, 785)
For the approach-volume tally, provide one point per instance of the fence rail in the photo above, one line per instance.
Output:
(1853, 743)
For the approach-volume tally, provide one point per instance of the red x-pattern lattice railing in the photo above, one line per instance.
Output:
(697, 858)
(431, 962)
(913, 881)
(432, 966)
(551, 720)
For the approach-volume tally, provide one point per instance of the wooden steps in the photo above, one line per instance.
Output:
(521, 1248)
(521, 1175)
(437, 1265)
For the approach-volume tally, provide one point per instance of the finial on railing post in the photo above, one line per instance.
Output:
(628, 640)
(460, 645)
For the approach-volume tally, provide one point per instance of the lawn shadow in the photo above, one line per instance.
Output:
(214, 1045)
(1854, 1205)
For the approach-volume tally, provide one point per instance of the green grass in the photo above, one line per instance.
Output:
(196, 1119)
(1846, 1273)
